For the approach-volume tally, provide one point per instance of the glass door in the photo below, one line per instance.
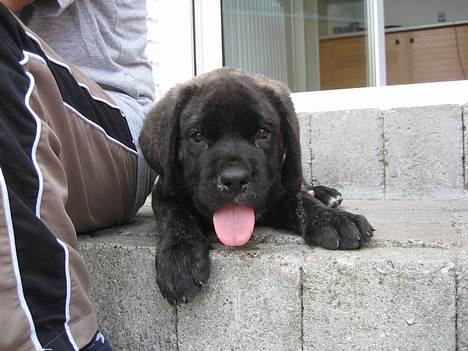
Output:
(307, 44)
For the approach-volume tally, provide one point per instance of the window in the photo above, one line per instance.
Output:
(426, 41)
(308, 44)
(313, 44)
(329, 44)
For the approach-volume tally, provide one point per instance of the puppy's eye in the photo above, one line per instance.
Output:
(263, 134)
(197, 137)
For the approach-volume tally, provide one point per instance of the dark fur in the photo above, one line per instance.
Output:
(248, 132)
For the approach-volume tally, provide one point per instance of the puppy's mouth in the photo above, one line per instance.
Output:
(234, 224)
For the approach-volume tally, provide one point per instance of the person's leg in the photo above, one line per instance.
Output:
(67, 165)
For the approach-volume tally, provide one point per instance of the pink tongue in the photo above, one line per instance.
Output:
(234, 224)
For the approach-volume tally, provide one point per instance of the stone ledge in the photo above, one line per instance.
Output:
(407, 290)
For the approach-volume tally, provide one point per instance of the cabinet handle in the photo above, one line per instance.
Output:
(397, 42)
(411, 40)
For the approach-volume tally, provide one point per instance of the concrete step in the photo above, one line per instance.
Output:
(407, 291)
(397, 142)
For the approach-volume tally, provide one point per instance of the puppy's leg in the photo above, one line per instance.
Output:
(182, 261)
(332, 228)
(320, 225)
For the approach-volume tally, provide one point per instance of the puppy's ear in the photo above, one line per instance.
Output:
(291, 174)
(160, 134)
(278, 94)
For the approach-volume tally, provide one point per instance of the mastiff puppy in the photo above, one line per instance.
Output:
(226, 148)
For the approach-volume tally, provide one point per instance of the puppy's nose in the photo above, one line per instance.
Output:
(234, 178)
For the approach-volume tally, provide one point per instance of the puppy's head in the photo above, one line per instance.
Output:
(223, 140)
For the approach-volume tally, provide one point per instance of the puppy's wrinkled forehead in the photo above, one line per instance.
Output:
(229, 107)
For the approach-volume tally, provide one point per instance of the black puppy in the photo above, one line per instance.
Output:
(226, 147)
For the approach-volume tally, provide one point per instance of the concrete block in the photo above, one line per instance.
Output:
(251, 302)
(462, 301)
(424, 152)
(130, 309)
(304, 125)
(347, 152)
(380, 299)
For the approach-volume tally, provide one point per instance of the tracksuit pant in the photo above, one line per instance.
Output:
(68, 165)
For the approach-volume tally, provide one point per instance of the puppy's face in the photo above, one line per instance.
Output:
(230, 148)
(221, 142)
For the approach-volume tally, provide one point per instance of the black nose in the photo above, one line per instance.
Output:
(234, 178)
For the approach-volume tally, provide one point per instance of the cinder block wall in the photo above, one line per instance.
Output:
(400, 153)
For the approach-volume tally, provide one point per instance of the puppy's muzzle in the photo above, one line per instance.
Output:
(234, 179)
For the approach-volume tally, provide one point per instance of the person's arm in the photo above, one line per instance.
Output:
(16, 5)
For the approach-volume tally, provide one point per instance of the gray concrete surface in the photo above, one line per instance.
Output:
(465, 142)
(304, 125)
(252, 301)
(130, 308)
(380, 299)
(424, 152)
(401, 153)
(407, 291)
(462, 298)
(347, 152)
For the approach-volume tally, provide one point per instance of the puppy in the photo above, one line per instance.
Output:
(226, 148)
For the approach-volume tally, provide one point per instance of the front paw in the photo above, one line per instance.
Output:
(338, 230)
(182, 269)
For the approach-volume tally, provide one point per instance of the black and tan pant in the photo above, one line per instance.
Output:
(67, 165)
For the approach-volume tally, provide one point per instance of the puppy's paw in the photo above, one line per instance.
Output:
(330, 197)
(182, 269)
(338, 230)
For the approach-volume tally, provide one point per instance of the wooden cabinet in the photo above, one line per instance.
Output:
(398, 60)
(343, 62)
(427, 55)
(413, 56)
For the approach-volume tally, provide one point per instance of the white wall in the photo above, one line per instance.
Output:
(170, 45)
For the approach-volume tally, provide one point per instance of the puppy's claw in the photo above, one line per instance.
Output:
(332, 203)
(335, 202)
(339, 199)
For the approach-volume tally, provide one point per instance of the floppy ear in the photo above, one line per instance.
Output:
(160, 134)
(278, 94)
(291, 174)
